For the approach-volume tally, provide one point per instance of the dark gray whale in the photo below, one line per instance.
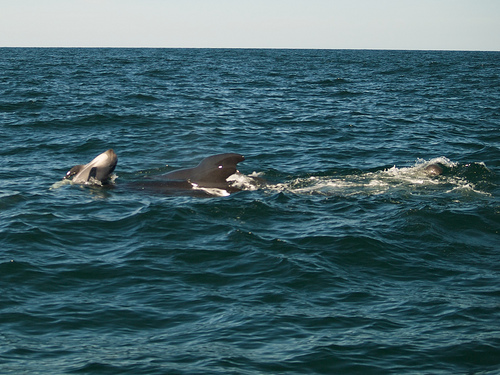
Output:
(211, 173)
(433, 169)
(97, 171)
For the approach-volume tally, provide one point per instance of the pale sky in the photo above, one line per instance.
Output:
(330, 24)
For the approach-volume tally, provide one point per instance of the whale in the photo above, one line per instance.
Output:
(98, 171)
(433, 169)
(211, 173)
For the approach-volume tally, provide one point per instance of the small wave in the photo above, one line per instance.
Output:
(329, 82)
(10, 199)
(143, 97)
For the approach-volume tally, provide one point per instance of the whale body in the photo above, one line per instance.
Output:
(211, 173)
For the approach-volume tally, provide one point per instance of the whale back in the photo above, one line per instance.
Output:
(212, 172)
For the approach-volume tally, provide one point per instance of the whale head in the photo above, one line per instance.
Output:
(98, 170)
(433, 169)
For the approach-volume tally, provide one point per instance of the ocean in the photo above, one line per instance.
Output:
(349, 259)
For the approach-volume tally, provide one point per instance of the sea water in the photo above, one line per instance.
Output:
(349, 259)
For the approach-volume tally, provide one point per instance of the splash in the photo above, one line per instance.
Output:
(211, 191)
(414, 180)
(253, 181)
(91, 182)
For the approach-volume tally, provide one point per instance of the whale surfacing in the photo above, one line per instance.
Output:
(211, 174)
(97, 171)
(433, 170)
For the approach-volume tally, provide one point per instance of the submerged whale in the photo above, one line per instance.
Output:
(211, 173)
(97, 171)
(433, 169)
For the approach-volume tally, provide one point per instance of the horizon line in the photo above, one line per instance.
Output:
(260, 48)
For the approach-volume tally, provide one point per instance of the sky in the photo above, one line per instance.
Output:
(328, 24)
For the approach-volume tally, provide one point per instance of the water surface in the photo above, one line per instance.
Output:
(351, 260)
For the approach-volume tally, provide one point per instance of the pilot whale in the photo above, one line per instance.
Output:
(211, 173)
(433, 169)
(97, 171)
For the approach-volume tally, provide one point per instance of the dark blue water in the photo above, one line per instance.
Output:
(351, 260)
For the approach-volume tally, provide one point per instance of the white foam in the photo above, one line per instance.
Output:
(243, 182)
(91, 182)
(212, 191)
(412, 180)
(58, 184)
